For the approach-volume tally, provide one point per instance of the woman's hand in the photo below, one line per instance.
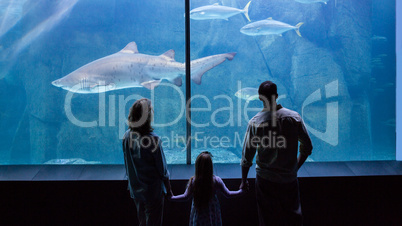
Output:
(244, 185)
(169, 195)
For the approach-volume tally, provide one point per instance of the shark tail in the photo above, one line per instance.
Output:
(298, 27)
(246, 11)
(202, 65)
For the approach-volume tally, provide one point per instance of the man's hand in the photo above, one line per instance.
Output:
(244, 185)
(300, 160)
(169, 194)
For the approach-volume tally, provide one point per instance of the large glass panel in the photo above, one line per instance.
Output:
(333, 62)
(70, 121)
(338, 73)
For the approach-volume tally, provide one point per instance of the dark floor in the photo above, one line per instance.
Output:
(355, 200)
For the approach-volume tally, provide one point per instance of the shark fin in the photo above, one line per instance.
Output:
(151, 84)
(169, 54)
(177, 81)
(130, 48)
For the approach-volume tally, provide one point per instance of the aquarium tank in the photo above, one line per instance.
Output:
(71, 69)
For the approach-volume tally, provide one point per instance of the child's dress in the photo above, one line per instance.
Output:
(212, 214)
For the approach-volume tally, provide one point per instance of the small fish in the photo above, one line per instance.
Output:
(388, 85)
(269, 27)
(217, 11)
(379, 38)
(248, 94)
(390, 122)
(312, 1)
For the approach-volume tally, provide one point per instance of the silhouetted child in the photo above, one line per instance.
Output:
(202, 187)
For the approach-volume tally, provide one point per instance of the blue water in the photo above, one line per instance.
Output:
(345, 61)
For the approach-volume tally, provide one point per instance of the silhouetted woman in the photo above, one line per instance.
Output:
(146, 168)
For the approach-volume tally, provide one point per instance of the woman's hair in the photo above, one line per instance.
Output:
(203, 180)
(140, 117)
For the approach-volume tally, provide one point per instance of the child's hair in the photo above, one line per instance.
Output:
(203, 180)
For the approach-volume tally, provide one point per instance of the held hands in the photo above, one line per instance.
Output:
(169, 195)
(244, 185)
(169, 192)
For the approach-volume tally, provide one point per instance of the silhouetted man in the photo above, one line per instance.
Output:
(274, 133)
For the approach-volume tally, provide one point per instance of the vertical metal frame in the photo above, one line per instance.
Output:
(188, 84)
(398, 46)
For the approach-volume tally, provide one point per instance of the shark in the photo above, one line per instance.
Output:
(128, 68)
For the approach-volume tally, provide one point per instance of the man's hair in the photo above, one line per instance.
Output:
(140, 117)
(266, 90)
